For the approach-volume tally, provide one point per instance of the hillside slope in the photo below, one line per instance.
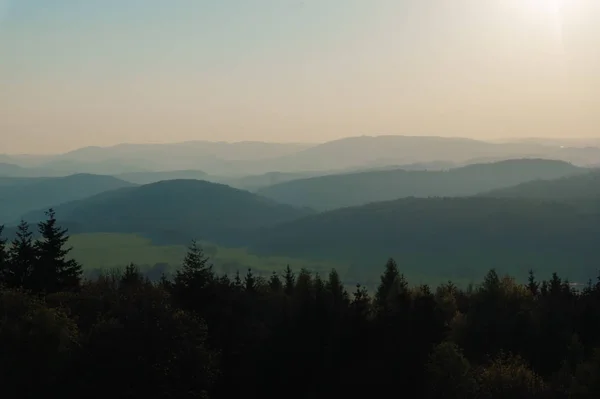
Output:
(446, 237)
(19, 196)
(176, 211)
(155, 177)
(584, 186)
(336, 191)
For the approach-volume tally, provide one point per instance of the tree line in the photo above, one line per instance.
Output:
(294, 335)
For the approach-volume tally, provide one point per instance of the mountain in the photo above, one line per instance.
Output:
(458, 238)
(256, 158)
(176, 211)
(19, 196)
(154, 177)
(380, 151)
(249, 183)
(336, 191)
(212, 157)
(109, 166)
(584, 186)
(19, 181)
(256, 182)
(12, 170)
(7, 169)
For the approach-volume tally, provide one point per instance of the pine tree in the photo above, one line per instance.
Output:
(193, 285)
(250, 281)
(196, 270)
(491, 282)
(275, 285)
(3, 255)
(361, 303)
(289, 281)
(556, 285)
(237, 281)
(131, 277)
(21, 259)
(52, 271)
(389, 280)
(533, 285)
(336, 288)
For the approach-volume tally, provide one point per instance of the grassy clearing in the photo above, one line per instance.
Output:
(108, 250)
(105, 251)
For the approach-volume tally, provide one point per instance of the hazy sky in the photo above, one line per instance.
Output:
(100, 72)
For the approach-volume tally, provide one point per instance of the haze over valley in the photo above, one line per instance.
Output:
(251, 196)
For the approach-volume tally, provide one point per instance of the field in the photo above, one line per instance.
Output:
(105, 251)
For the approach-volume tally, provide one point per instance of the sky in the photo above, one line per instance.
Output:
(75, 73)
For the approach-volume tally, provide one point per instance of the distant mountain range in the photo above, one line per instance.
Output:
(336, 191)
(255, 158)
(521, 214)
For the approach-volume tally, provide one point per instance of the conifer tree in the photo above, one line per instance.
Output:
(389, 279)
(275, 285)
(491, 282)
(237, 281)
(533, 285)
(319, 289)
(3, 255)
(336, 288)
(131, 277)
(193, 282)
(250, 281)
(556, 285)
(21, 257)
(52, 271)
(289, 281)
(196, 270)
(361, 303)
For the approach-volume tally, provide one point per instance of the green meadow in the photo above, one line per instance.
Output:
(105, 251)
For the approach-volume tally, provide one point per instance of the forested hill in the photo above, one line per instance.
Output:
(155, 177)
(336, 191)
(447, 237)
(19, 196)
(177, 211)
(584, 186)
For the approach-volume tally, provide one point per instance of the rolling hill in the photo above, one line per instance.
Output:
(19, 196)
(12, 170)
(256, 158)
(584, 186)
(457, 238)
(336, 191)
(212, 157)
(155, 177)
(255, 182)
(176, 211)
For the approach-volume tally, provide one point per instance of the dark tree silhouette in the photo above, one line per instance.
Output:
(22, 256)
(53, 271)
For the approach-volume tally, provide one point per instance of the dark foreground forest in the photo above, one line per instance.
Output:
(300, 335)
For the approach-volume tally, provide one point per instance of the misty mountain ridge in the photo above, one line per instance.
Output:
(352, 189)
(256, 158)
(582, 186)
